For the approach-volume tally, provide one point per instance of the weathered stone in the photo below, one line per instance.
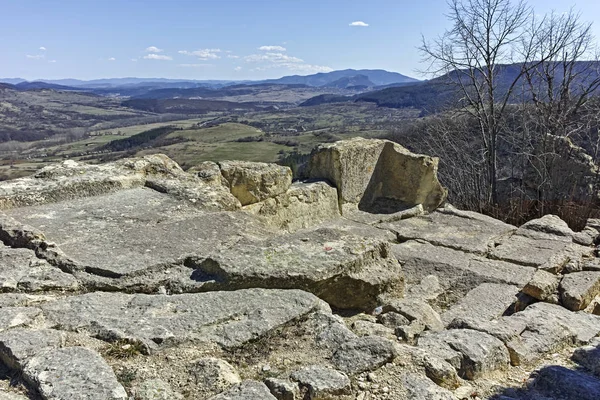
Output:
(214, 374)
(392, 319)
(283, 389)
(227, 318)
(156, 389)
(472, 353)
(11, 396)
(329, 330)
(378, 174)
(302, 206)
(352, 212)
(410, 333)
(209, 172)
(11, 317)
(418, 387)
(247, 390)
(21, 270)
(18, 345)
(414, 309)
(589, 357)
(435, 368)
(364, 354)
(558, 382)
(367, 328)
(542, 286)
(447, 227)
(586, 237)
(322, 383)
(428, 289)
(68, 372)
(548, 225)
(251, 182)
(486, 301)
(577, 290)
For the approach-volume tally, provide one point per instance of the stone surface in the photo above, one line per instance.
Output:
(589, 357)
(487, 301)
(378, 174)
(448, 227)
(418, 387)
(247, 390)
(18, 345)
(363, 354)
(577, 290)
(251, 182)
(472, 353)
(329, 330)
(11, 317)
(214, 374)
(414, 309)
(302, 206)
(322, 383)
(156, 389)
(435, 368)
(558, 382)
(392, 319)
(543, 286)
(368, 328)
(227, 318)
(283, 389)
(67, 372)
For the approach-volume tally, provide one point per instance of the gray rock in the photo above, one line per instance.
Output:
(410, 333)
(251, 182)
(392, 319)
(414, 309)
(322, 383)
(283, 389)
(352, 212)
(543, 286)
(547, 226)
(18, 345)
(428, 289)
(364, 354)
(368, 328)
(68, 372)
(227, 318)
(12, 396)
(370, 172)
(472, 353)
(302, 206)
(214, 374)
(487, 301)
(558, 382)
(458, 230)
(247, 390)
(589, 357)
(418, 387)
(156, 389)
(329, 330)
(12, 317)
(435, 368)
(577, 290)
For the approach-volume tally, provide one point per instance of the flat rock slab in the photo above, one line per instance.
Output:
(487, 301)
(558, 382)
(589, 357)
(364, 354)
(129, 231)
(577, 290)
(227, 318)
(346, 265)
(456, 270)
(22, 271)
(418, 387)
(322, 383)
(18, 345)
(459, 230)
(69, 372)
(11, 317)
(247, 390)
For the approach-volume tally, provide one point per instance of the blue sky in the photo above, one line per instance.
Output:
(222, 39)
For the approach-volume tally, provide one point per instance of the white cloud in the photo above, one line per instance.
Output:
(157, 57)
(195, 65)
(52, 61)
(203, 54)
(112, 59)
(272, 48)
(358, 23)
(153, 49)
(307, 68)
(42, 48)
(35, 57)
(237, 69)
(276, 58)
(232, 56)
(134, 59)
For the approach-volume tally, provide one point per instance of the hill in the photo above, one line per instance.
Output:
(352, 82)
(377, 76)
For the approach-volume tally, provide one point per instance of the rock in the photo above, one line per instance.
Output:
(558, 382)
(487, 301)
(414, 309)
(209, 172)
(589, 357)
(251, 182)
(577, 290)
(378, 174)
(283, 389)
(11, 396)
(227, 318)
(435, 368)
(247, 390)
(548, 225)
(410, 333)
(418, 387)
(428, 289)
(347, 270)
(392, 319)
(329, 330)
(543, 286)
(156, 389)
(472, 353)
(363, 354)
(352, 212)
(214, 374)
(302, 206)
(587, 237)
(367, 328)
(68, 372)
(12, 317)
(458, 230)
(18, 345)
(322, 383)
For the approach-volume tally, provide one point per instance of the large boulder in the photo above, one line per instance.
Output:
(378, 175)
(251, 182)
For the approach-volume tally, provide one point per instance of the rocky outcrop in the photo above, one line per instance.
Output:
(251, 182)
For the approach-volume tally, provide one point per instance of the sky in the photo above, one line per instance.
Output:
(223, 39)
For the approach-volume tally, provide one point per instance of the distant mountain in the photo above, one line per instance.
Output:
(6, 86)
(42, 85)
(376, 76)
(326, 99)
(349, 82)
(12, 81)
